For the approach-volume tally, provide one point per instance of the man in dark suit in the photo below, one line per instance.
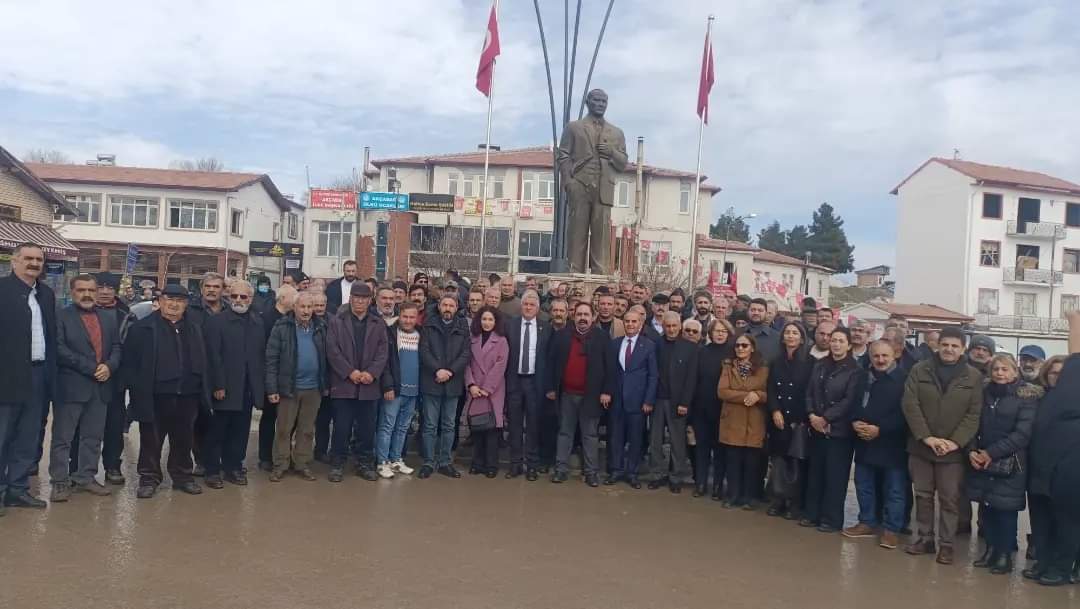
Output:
(528, 338)
(88, 345)
(338, 290)
(27, 368)
(632, 381)
(677, 364)
(112, 448)
(578, 357)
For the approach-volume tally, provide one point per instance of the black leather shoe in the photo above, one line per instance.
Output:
(532, 475)
(114, 477)
(215, 482)
(199, 471)
(1003, 565)
(491, 473)
(425, 472)
(1034, 572)
(25, 500)
(592, 480)
(515, 471)
(699, 490)
(559, 477)
(612, 480)
(807, 523)
(634, 482)
(476, 470)
(1053, 579)
(718, 492)
(336, 474)
(987, 559)
(675, 488)
(146, 491)
(655, 484)
(827, 528)
(449, 471)
(239, 478)
(371, 475)
(188, 487)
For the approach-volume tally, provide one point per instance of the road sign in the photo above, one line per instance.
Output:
(387, 201)
(132, 258)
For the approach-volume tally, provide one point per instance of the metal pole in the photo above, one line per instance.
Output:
(558, 250)
(228, 230)
(573, 64)
(639, 202)
(723, 255)
(566, 51)
(697, 182)
(487, 156)
(592, 64)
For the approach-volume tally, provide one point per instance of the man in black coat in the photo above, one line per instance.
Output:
(88, 345)
(677, 368)
(206, 305)
(766, 336)
(338, 290)
(236, 358)
(579, 359)
(444, 353)
(881, 476)
(27, 370)
(164, 367)
(528, 338)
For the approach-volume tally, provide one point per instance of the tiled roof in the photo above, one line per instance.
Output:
(995, 175)
(217, 181)
(720, 244)
(20, 171)
(759, 254)
(536, 156)
(778, 258)
(923, 311)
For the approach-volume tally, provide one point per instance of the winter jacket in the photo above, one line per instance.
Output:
(444, 346)
(1055, 444)
(15, 370)
(788, 380)
(342, 358)
(950, 413)
(391, 376)
(881, 405)
(710, 362)
(676, 380)
(235, 347)
(138, 365)
(487, 370)
(1005, 428)
(834, 390)
(742, 425)
(281, 353)
(77, 360)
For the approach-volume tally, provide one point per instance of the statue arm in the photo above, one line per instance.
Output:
(565, 167)
(618, 155)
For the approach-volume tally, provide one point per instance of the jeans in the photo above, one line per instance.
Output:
(893, 481)
(20, 427)
(362, 413)
(89, 418)
(999, 529)
(394, 419)
(439, 428)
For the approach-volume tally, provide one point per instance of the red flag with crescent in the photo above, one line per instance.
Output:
(488, 55)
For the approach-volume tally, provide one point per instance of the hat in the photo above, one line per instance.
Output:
(417, 277)
(449, 284)
(174, 290)
(401, 285)
(1033, 351)
(299, 276)
(660, 298)
(359, 288)
(984, 341)
(743, 297)
(109, 280)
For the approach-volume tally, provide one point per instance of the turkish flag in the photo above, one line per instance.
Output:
(706, 82)
(487, 56)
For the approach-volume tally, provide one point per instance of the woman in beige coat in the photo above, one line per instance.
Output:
(742, 421)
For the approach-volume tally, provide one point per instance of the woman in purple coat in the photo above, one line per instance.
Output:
(485, 379)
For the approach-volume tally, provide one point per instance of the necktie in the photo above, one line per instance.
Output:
(629, 351)
(526, 343)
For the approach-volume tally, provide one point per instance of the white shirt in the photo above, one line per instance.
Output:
(37, 328)
(627, 340)
(658, 325)
(346, 289)
(529, 326)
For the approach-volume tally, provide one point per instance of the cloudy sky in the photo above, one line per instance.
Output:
(816, 100)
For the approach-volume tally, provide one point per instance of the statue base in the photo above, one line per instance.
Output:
(585, 282)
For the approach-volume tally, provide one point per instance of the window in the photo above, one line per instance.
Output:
(294, 226)
(335, 239)
(991, 205)
(196, 215)
(88, 206)
(622, 194)
(236, 223)
(132, 211)
(1071, 263)
(684, 197)
(537, 186)
(496, 191)
(1027, 256)
(990, 253)
(427, 238)
(90, 260)
(534, 244)
(656, 255)
(988, 301)
(1025, 304)
(1069, 303)
(275, 232)
(453, 183)
(1072, 214)
(468, 191)
(10, 212)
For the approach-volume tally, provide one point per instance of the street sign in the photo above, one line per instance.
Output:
(276, 250)
(332, 199)
(386, 201)
(132, 258)
(422, 201)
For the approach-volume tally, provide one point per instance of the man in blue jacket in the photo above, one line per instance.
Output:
(631, 395)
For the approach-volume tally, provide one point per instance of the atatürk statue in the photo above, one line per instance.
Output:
(592, 151)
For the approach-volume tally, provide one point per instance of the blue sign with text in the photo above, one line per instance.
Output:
(391, 201)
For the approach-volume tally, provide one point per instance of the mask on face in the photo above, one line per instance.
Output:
(264, 289)
(239, 307)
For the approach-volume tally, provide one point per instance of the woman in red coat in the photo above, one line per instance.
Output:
(485, 378)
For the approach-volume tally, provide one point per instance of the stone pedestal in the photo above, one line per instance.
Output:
(585, 282)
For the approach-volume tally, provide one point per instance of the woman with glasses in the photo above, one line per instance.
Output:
(742, 388)
(789, 374)
(836, 383)
(705, 413)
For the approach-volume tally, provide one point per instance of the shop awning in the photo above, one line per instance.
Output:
(14, 233)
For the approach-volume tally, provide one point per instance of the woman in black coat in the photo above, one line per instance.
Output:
(836, 384)
(705, 411)
(789, 375)
(997, 479)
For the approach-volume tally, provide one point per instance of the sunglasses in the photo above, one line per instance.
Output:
(241, 297)
(692, 331)
(742, 345)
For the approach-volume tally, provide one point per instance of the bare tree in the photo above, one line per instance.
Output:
(660, 278)
(461, 252)
(204, 164)
(43, 155)
(350, 183)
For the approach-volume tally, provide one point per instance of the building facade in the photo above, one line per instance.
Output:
(181, 223)
(762, 273)
(996, 243)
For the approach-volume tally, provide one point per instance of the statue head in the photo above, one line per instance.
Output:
(596, 100)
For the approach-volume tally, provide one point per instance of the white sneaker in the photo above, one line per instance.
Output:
(385, 471)
(400, 467)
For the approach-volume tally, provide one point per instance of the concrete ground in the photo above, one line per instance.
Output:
(473, 543)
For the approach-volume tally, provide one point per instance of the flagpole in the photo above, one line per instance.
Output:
(487, 157)
(697, 172)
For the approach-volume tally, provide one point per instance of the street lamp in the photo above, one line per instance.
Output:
(730, 214)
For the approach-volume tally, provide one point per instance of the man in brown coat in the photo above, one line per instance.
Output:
(942, 402)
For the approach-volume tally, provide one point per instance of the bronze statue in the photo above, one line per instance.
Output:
(591, 152)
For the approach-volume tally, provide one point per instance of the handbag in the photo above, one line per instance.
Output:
(798, 446)
(785, 479)
(481, 421)
(1004, 468)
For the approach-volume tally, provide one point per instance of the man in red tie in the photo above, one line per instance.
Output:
(630, 395)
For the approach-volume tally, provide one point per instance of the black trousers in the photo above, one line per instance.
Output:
(225, 444)
(1055, 532)
(523, 410)
(174, 419)
(457, 421)
(549, 431)
(202, 425)
(486, 449)
(363, 414)
(708, 451)
(827, 479)
(743, 472)
(322, 427)
(267, 426)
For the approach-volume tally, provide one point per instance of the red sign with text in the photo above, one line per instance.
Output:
(331, 199)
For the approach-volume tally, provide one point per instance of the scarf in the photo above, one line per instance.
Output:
(743, 368)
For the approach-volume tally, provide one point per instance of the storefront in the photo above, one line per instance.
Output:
(61, 257)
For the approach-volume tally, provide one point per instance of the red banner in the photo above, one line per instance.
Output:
(331, 199)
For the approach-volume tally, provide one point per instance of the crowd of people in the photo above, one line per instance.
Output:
(723, 395)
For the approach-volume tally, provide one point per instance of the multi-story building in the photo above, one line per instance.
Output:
(651, 235)
(747, 269)
(182, 223)
(996, 243)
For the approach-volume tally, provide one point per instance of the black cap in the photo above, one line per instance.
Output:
(401, 285)
(660, 298)
(360, 288)
(108, 279)
(417, 276)
(299, 276)
(174, 290)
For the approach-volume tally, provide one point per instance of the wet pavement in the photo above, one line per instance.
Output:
(473, 543)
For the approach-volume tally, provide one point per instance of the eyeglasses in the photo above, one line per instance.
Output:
(742, 345)
(241, 297)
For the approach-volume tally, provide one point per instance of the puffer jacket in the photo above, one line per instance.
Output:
(281, 356)
(1005, 428)
(834, 389)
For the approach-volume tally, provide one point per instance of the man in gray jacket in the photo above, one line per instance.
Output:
(88, 348)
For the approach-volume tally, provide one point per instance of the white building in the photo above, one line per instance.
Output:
(999, 244)
(763, 273)
(184, 223)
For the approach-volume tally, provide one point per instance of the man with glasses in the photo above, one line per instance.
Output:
(692, 331)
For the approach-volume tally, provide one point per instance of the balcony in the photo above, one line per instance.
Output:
(1036, 230)
(1038, 277)
(1023, 323)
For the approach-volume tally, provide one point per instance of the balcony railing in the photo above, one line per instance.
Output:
(1025, 323)
(1015, 274)
(1036, 230)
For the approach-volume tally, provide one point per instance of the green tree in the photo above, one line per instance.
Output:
(732, 228)
(797, 242)
(828, 242)
(772, 237)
